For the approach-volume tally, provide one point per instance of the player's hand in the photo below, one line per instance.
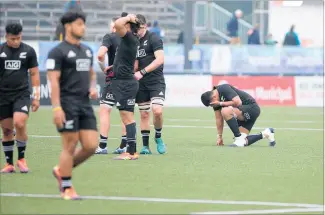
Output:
(59, 117)
(138, 75)
(35, 105)
(93, 93)
(133, 18)
(215, 104)
(107, 69)
(219, 141)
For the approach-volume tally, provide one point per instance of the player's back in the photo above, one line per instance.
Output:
(14, 65)
(125, 57)
(74, 63)
(224, 89)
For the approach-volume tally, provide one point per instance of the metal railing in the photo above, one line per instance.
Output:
(219, 17)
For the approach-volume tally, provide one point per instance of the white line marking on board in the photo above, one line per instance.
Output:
(166, 200)
(271, 211)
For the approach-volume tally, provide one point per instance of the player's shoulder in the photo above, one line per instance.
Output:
(26, 47)
(59, 49)
(222, 86)
(153, 36)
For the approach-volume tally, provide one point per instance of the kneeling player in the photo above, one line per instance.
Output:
(239, 110)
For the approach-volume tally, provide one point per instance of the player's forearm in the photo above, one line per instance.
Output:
(93, 79)
(55, 94)
(121, 22)
(219, 122)
(101, 57)
(35, 79)
(154, 65)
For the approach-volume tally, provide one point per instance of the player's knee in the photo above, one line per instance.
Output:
(144, 115)
(8, 134)
(226, 112)
(157, 110)
(19, 124)
(91, 148)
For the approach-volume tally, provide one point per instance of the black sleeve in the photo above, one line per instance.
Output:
(107, 41)
(156, 43)
(32, 59)
(54, 60)
(227, 92)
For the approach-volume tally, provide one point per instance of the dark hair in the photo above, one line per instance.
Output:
(124, 14)
(206, 98)
(114, 19)
(14, 28)
(72, 16)
(142, 19)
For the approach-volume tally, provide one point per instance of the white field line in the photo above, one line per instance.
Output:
(167, 200)
(271, 211)
(45, 136)
(267, 121)
(213, 127)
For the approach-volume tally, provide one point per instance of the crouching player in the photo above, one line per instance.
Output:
(239, 110)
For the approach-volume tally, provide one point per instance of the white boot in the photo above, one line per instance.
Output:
(268, 133)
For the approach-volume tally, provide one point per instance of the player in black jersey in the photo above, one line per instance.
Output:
(124, 85)
(73, 83)
(239, 110)
(152, 85)
(16, 59)
(109, 45)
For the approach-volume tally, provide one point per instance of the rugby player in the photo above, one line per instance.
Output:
(109, 45)
(73, 83)
(16, 59)
(151, 94)
(124, 85)
(239, 110)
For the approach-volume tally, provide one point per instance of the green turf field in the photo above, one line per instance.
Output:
(193, 169)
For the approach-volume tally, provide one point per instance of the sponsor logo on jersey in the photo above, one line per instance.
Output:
(3, 54)
(161, 93)
(131, 101)
(23, 55)
(12, 64)
(142, 53)
(145, 42)
(82, 65)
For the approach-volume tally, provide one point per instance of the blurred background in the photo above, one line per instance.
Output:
(211, 37)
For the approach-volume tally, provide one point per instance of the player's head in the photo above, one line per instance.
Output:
(210, 96)
(131, 27)
(74, 24)
(143, 25)
(13, 34)
(112, 26)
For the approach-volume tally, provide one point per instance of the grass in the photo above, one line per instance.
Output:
(193, 168)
